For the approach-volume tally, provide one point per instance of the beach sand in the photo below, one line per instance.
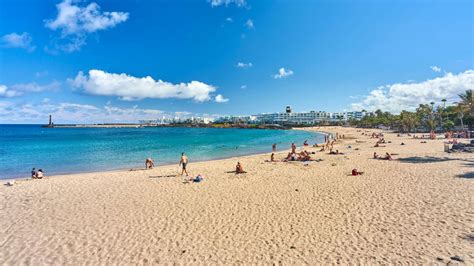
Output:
(415, 209)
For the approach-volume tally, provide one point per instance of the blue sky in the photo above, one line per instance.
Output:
(87, 61)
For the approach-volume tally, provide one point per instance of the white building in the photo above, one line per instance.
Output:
(307, 118)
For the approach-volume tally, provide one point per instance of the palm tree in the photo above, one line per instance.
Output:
(467, 105)
(444, 106)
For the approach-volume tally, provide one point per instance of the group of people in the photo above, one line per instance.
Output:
(37, 174)
(303, 156)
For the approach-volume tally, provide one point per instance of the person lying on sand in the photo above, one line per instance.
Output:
(355, 172)
(376, 156)
(335, 152)
(388, 157)
(239, 169)
(198, 178)
(304, 156)
(149, 163)
(378, 145)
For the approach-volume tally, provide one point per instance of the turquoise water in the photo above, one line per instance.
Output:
(72, 150)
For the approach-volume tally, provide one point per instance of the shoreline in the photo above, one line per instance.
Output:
(127, 169)
(412, 210)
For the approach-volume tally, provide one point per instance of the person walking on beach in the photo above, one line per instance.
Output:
(183, 162)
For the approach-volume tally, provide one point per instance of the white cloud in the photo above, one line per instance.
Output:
(128, 87)
(435, 68)
(182, 113)
(244, 65)
(283, 73)
(229, 19)
(20, 89)
(15, 40)
(35, 87)
(5, 92)
(407, 96)
(75, 22)
(249, 24)
(239, 3)
(221, 99)
(243, 86)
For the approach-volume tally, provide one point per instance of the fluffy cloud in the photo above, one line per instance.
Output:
(239, 3)
(75, 22)
(283, 73)
(128, 87)
(435, 68)
(407, 96)
(20, 89)
(249, 24)
(15, 40)
(229, 19)
(243, 65)
(221, 99)
(6, 92)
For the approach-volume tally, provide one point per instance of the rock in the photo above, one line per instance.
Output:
(457, 258)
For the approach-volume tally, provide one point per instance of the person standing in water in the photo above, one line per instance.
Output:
(183, 162)
(274, 147)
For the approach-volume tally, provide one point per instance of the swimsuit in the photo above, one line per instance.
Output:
(184, 165)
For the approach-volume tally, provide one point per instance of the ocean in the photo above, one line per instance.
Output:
(75, 150)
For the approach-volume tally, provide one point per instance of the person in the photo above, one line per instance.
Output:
(149, 163)
(183, 163)
(388, 156)
(198, 178)
(39, 174)
(375, 155)
(33, 173)
(355, 172)
(293, 148)
(274, 147)
(239, 169)
(272, 157)
(305, 143)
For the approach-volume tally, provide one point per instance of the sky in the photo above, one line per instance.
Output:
(121, 61)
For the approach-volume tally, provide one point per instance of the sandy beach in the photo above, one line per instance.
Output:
(416, 209)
